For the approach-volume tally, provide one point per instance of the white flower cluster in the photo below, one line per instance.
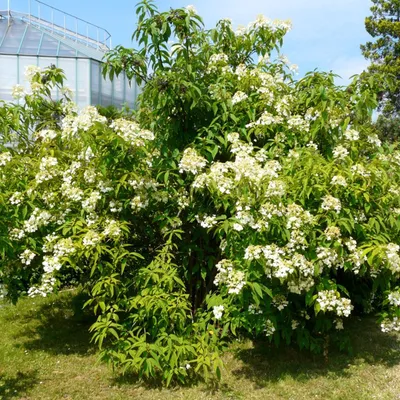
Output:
(332, 233)
(356, 258)
(191, 9)
(46, 135)
(31, 71)
(359, 169)
(131, 132)
(330, 300)
(17, 234)
(115, 206)
(339, 180)
(338, 324)
(263, 22)
(296, 219)
(330, 203)
(266, 119)
(312, 145)
(91, 238)
(390, 325)
(351, 135)
(207, 221)
(229, 276)
(393, 257)
(239, 97)
(269, 328)
(5, 158)
(63, 248)
(89, 205)
(328, 258)
(51, 264)
(139, 202)
(297, 122)
(18, 92)
(219, 63)
(374, 140)
(46, 287)
(90, 175)
(27, 256)
(112, 230)
(191, 162)
(340, 152)
(280, 302)
(37, 219)
(47, 169)
(88, 116)
(218, 311)
(16, 198)
(394, 299)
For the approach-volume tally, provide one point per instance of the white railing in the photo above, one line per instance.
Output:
(64, 24)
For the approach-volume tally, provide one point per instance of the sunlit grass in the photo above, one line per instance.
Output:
(45, 353)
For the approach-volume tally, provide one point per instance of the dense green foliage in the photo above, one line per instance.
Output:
(384, 53)
(235, 201)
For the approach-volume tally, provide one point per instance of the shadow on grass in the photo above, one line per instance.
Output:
(58, 327)
(11, 388)
(263, 363)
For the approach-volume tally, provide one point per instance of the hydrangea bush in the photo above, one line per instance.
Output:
(236, 201)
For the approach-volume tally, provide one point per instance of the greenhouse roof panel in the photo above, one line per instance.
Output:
(19, 37)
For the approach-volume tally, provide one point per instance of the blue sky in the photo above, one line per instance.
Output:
(326, 34)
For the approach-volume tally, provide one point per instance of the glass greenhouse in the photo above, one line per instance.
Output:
(50, 36)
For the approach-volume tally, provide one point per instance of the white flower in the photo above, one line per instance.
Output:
(229, 276)
(112, 229)
(46, 134)
(339, 324)
(331, 203)
(63, 247)
(312, 145)
(330, 300)
(132, 132)
(360, 170)
(392, 256)
(332, 233)
(394, 299)
(51, 264)
(191, 162)
(190, 9)
(238, 97)
(218, 311)
(340, 152)
(89, 204)
(351, 135)
(374, 140)
(269, 328)
(5, 158)
(31, 71)
(27, 256)
(91, 238)
(390, 325)
(237, 227)
(207, 221)
(339, 180)
(280, 302)
(16, 198)
(18, 92)
(46, 286)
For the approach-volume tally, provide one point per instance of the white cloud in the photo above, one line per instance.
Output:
(347, 67)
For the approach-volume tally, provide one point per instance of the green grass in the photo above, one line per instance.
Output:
(45, 353)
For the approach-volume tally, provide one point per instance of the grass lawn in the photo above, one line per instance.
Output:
(45, 354)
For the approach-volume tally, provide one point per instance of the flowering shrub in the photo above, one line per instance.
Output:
(235, 201)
